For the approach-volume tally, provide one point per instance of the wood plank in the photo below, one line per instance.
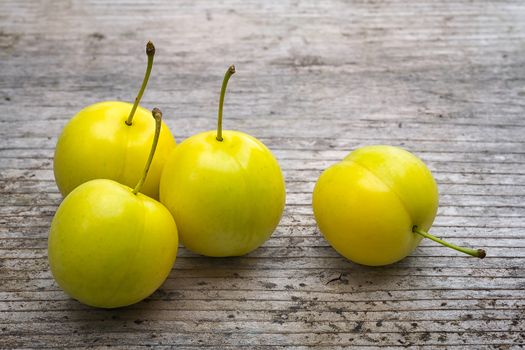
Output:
(315, 81)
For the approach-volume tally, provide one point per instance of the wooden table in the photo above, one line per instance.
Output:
(446, 80)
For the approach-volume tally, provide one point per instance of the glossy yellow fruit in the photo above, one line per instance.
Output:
(226, 196)
(225, 190)
(367, 205)
(98, 144)
(109, 247)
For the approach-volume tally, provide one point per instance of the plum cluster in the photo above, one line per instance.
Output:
(131, 193)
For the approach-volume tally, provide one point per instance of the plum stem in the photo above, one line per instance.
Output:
(157, 114)
(478, 253)
(229, 73)
(150, 51)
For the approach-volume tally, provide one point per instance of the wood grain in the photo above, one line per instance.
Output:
(445, 80)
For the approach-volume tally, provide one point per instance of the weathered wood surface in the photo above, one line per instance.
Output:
(444, 79)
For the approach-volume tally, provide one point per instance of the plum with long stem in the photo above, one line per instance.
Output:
(110, 140)
(110, 245)
(224, 188)
(376, 205)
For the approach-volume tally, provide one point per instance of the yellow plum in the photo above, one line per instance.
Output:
(110, 140)
(109, 245)
(225, 190)
(375, 206)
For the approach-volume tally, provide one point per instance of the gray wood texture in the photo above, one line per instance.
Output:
(315, 79)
